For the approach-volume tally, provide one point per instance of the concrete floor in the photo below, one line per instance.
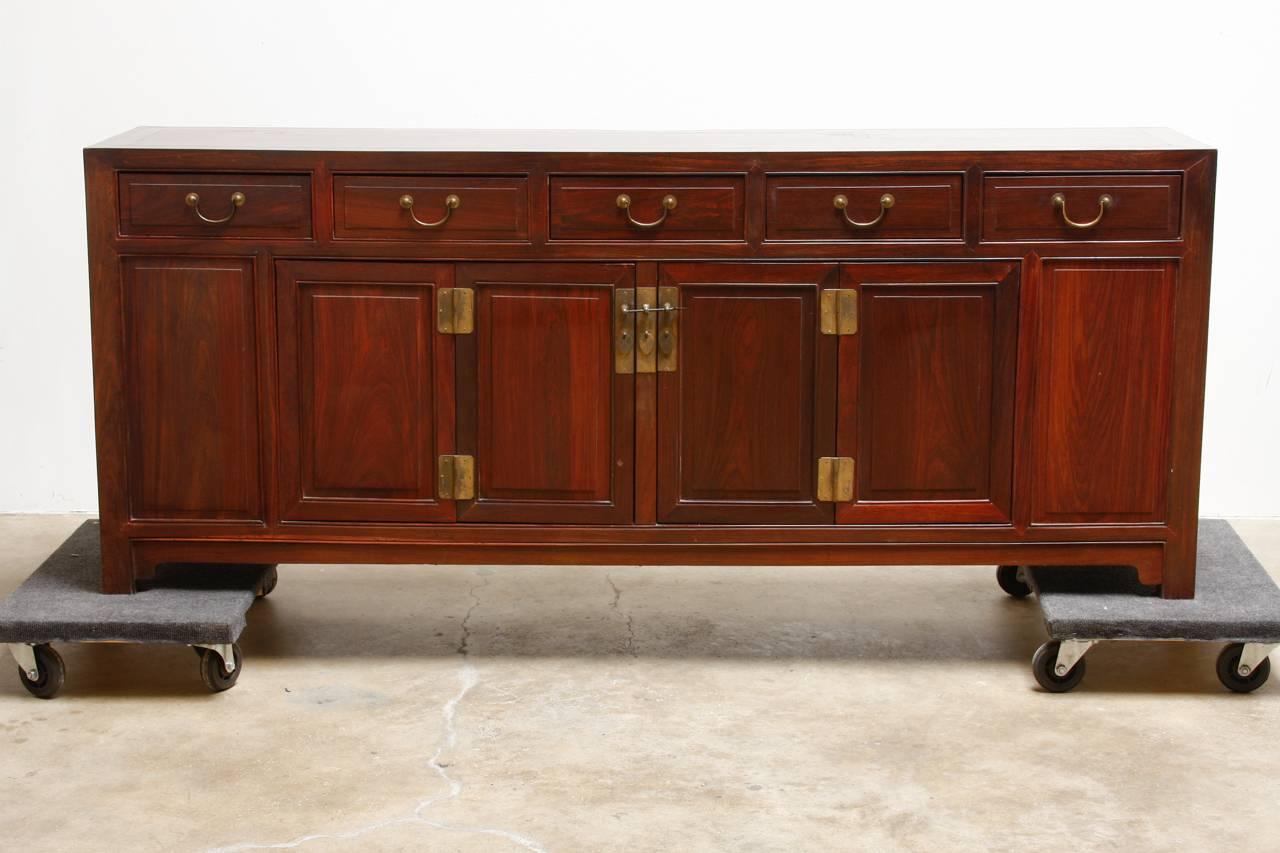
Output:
(592, 709)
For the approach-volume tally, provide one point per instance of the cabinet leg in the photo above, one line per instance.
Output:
(117, 565)
(1179, 579)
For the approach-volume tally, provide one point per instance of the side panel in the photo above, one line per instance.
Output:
(1104, 365)
(191, 382)
(364, 379)
(549, 422)
(750, 407)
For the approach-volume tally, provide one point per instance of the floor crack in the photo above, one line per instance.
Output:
(631, 625)
(465, 639)
(469, 678)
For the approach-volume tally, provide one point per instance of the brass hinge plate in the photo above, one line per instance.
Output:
(624, 331)
(456, 311)
(835, 479)
(839, 312)
(668, 329)
(456, 478)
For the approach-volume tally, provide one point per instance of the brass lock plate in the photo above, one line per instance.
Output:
(624, 331)
(668, 328)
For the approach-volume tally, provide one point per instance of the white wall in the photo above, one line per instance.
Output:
(75, 72)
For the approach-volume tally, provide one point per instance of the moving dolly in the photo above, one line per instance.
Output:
(1236, 603)
(61, 603)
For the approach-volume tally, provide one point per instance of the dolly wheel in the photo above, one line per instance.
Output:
(214, 673)
(1046, 658)
(1229, 672)
(53, 672)
(269, 580)
(1007, 577)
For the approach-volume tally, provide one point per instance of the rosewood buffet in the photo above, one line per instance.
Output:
(740, 348)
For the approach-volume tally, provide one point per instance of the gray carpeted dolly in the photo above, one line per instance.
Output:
(60, 603)
(1236, 603)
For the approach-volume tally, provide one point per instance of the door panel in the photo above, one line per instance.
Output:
(1104, 361)
(549, 422)
(750, 406)
(926, 392)
(191, 378)
(366, 391)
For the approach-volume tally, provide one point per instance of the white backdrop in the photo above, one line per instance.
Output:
(75, 72)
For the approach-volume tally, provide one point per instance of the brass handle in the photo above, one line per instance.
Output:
(451, 203)
(668, 205)
(841, 203)
(237, 202)
(1104, 203)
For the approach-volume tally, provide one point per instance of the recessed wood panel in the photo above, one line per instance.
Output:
(749, 410)
(549, 422)
(191, 379)
(925, 207)
(1020, 207)
(367, 207)
(364, 380)
(707, 207)
(1104, 374)
(926, 392)
(154, 204)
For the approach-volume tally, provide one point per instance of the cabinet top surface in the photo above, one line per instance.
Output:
(648, 142)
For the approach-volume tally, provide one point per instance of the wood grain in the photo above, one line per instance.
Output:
(190, 371)
(366, 391)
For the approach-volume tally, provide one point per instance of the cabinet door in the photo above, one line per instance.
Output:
(926, 392)
(540, 407)
(1104, 382)
(366, 385)
(750, 404)
(191, 378)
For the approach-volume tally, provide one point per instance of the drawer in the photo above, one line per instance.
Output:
(650, 207)
(865, 207)
(432, 208)
(214, 205)
(1103, 207)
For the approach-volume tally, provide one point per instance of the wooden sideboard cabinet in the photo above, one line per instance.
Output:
(741, 348)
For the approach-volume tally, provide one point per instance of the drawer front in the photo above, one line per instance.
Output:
(865, 207)
(438, 208)
(1102, 207)
(656, 208)
(215, 205)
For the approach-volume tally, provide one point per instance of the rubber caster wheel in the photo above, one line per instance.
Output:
(53, 673)
(214, 673)
(1007, 577)
(1043, 663)
(1230, 676)
(269, 580)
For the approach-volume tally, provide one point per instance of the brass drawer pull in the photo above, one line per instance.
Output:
(451, 203)
(237, 202)
(668, 205)
(841, 203)
(1060, 202)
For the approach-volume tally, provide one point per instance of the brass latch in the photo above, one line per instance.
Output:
(456, 311)
(456, 478)
(644, 321)
(835, 479)
(839, 312)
